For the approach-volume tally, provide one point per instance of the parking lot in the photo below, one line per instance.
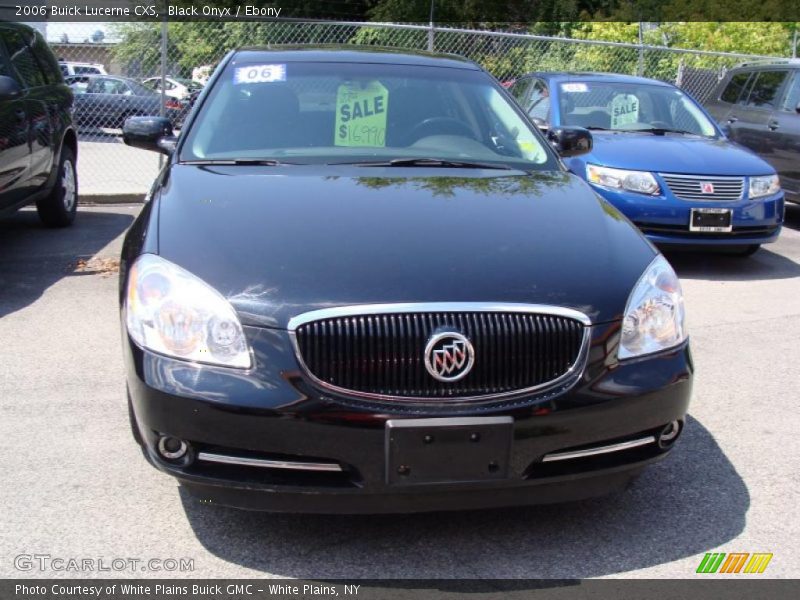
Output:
(107, 167)
(76, 485)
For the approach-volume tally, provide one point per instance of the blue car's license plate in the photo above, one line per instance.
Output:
(711, 220)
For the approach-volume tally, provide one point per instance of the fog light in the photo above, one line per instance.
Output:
(669, 434)
(172, 448)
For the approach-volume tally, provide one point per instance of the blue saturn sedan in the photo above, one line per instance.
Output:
(660, 159)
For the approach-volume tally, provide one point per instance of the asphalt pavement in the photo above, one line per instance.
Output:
(76, 486)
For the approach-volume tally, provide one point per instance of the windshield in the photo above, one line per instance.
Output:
(631, 107)
(350, 113)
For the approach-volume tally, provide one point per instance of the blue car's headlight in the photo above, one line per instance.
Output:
(641, 182)
(765, 185)
(654, 316)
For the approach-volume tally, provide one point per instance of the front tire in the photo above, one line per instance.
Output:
(58, 208)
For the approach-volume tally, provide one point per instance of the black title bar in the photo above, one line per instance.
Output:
(746, 587)
(487, 12)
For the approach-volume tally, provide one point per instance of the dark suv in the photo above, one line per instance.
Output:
(38, 145)
(758, 103)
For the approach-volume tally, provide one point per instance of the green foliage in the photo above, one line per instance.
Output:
(608, 58)
(140, 48)
(477, 13)
(744, 38)
(381, 36)
(192, 44)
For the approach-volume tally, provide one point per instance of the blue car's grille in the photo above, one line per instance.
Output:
(704, 188)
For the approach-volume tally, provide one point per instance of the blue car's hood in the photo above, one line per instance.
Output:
(673, 153)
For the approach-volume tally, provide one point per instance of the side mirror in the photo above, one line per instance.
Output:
(149, 133)
(9, 88)
(540, 124)
(797, 108)
(570, 141)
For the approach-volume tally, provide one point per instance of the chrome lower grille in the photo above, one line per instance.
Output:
(704, 188)
(382, 354)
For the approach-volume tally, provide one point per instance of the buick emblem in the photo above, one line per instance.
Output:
(449, 356)
(707, 187)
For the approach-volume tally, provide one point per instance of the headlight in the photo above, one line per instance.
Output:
(654, 315)
(642, 182)
(764, 186)
(172, 312)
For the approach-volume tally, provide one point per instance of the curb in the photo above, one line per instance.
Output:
(94, 199)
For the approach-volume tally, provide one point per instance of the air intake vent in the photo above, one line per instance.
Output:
(699, 187)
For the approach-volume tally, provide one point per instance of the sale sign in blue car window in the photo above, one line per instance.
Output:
(624, 110)
(361, 114)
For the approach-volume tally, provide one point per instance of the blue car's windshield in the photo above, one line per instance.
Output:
(300, 112)
(631, 107)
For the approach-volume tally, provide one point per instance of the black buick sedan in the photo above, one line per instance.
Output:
(365, 282)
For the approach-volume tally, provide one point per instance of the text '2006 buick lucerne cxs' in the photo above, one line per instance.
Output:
(364, 282)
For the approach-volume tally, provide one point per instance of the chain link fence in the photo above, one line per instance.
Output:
(159, 68)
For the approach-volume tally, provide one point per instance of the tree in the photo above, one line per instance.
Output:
(139, 48)
(608, 58)
(745, 38)
(485, 13)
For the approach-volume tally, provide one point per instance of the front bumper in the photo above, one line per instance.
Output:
(665, 219)
(272, 412)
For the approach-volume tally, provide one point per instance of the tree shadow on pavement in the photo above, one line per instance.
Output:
(33, 257)
(681, 507)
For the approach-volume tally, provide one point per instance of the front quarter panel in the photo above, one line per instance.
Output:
(141, 238)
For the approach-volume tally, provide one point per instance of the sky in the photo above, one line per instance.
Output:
(77, 32)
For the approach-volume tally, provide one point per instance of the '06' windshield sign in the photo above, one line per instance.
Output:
(259, 74)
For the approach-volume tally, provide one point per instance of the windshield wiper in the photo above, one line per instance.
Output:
(662, 131)
(428, 162)
(269, 162)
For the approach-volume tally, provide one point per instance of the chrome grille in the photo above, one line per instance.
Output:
(690, 187)
(383, 354)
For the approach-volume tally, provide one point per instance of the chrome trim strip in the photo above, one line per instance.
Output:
(542, 309)
(599, 449)
(267, 464)
(421, 307)
(739, 178)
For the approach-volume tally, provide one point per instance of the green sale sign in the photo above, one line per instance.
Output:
(361, 114)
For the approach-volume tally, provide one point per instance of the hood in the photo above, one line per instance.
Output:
(672, 153)
(281, 241)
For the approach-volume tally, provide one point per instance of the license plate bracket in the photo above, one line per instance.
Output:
(711, 220)
(448, 450)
